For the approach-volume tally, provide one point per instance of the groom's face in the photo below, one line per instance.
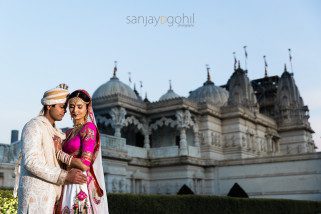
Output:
(57, 112)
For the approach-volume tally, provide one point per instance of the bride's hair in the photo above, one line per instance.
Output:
(81, 95)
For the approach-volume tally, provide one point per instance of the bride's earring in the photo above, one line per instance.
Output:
(86, 116)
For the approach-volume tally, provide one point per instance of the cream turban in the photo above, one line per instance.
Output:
(55, 95)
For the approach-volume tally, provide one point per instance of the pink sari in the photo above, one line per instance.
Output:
(84, 143)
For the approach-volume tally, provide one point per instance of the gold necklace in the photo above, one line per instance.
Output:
(74, 131)
(77, 125)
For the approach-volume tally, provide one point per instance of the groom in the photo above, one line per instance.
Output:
(41, 176)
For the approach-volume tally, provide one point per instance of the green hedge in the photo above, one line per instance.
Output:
(188, 204)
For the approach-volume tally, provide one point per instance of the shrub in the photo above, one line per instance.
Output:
(8, 204)
(195, 204)
(187, 204)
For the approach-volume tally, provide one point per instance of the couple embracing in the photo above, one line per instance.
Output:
(62, 172)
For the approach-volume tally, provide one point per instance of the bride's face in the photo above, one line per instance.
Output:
(77, 109)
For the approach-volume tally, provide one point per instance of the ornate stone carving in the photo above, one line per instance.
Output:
(275, 145)
(144, 189)
(161, 122)
(118, 116)
(114, 185)
(184, 119)
(202, 138)
(288, 149)
(133, 120)
(122, 187)
(104, 121)
(146, 132)
(243, 143)
(196, 139)
(142, 126)
(183, 122)
(216, 139)
(299, 149)
(269, 142)
(230, 141)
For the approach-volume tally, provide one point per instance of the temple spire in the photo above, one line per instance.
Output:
(245, 53)
(140, 87)
(170, 85)
(115, 68)
(265, 67)
(235, 60)
(136, 92)
(208, 73)
(290, 58)
(146, 99)
(129, 78)
(239, 64)
(285, 69)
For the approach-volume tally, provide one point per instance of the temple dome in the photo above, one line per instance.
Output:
(114, 86)
(170, 94)
(210, 93)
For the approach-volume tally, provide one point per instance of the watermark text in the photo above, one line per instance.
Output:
(170, 21)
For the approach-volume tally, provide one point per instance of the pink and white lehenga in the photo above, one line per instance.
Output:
(84, 143)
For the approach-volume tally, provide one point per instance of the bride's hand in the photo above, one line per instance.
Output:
(77, 163)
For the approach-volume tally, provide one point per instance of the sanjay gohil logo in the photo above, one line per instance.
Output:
(170, 21)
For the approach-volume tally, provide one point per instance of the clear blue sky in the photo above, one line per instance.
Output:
(44, 43)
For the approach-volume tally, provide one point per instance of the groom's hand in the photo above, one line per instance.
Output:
(75, 176)
(57, 142)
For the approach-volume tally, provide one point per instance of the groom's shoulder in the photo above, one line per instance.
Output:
(34, 122)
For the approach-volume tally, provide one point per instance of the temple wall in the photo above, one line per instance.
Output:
(291, 177)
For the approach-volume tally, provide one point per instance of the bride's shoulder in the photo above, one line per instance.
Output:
(88, 131)
(89, 125)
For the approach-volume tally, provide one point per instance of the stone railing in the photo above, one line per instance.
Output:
(138, 152)
(117, 143)
(112, 142)
(161, 152)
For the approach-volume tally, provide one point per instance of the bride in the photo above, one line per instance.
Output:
(81, 149)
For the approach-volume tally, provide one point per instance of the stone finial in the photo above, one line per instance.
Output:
(285, 69)
(115, 68)
(208, 73)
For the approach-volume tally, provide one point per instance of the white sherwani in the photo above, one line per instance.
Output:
(41, 176)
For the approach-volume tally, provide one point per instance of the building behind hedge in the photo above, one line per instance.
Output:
(253, 133)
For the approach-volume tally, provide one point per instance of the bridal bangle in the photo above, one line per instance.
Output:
(64, 157)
